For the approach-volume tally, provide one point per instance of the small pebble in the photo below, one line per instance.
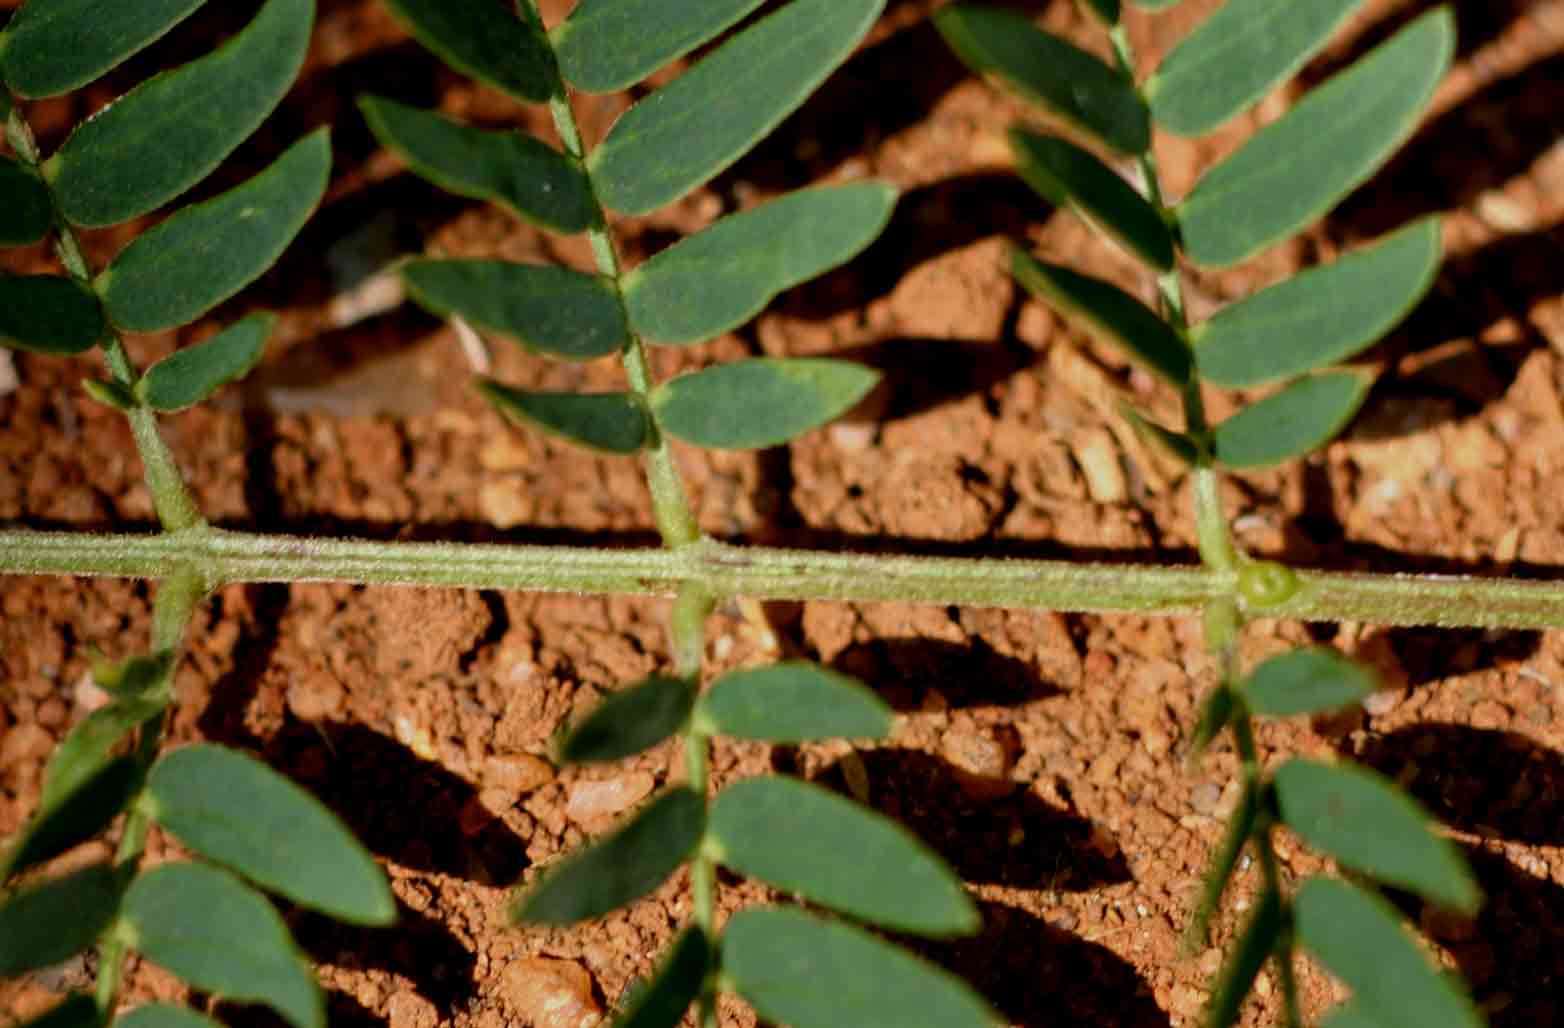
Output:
(550, 993)
(593, 802)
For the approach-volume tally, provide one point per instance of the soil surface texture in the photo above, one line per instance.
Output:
(1041, 754)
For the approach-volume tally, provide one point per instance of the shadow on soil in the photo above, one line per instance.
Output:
(962, 675)
(1503, 788)
(991, 832)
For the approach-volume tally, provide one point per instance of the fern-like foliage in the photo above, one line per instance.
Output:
(206, 921)
(792, 967)
(1290, 337)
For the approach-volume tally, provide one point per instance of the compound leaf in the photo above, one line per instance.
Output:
(663, 1001)
(77, 816)
(1068, 176)
(1223, 863)
(209, 928)
(485, 40)
(163, 1015)
(629, 721)
(75, 1011)
(232, 809)
(801, 971)
(1360, 939)
(192, 375)
(694, 127)
(804, 839)
(1236, 56)
(54, 46)
(615, 423)
(1322, 316)
(207, 252)
(621, 868)
(1369, 825)
(49, 314)
(1302, 417)
(1108, 312)
(720, 278)
(557, 311)
(608, 45)
(794, 701)
(1256, 944)
(1086, 93)
(752, 404)
(26, 212)
(520, 173)
(46, 923)
(1307, 681)
(1297, 168)
(167, 134)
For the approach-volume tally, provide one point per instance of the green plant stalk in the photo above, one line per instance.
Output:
(1270, 869)
(175, 507)
(177, 598)
(764, 573)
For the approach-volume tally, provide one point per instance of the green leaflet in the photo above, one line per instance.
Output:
(608, 45)
(192, 375)
(48, 922)
(1044, 69)
(1068, 176)
(1306, 681)
(1236, 56)
(1240, 827)
(1369, 825)
(1155, 5)
(167, 134)
(662, 1003)
(1216, 713)
(563, 313)
(26, 213)
(1108, 312)
(75, 1011)
(1350, 1015)
(86, 749)
(485, 40)
(1297, 168)
(615, 423)
(801, 971)
(163, 1015)
(720, 278)
(234, 810)
(207, 252)
(804, 839)
(49, 314)
(522, 174)
(1256, 944)
(629, 721)
(1302, 417)
(54, 46)
(77, 816)
(1322, 316)
(219, 935)
(621, 868)
(694, 127)
(794, 701)
(752, 404)
(1360, 939)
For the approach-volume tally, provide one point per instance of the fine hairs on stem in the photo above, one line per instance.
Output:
(860, 873)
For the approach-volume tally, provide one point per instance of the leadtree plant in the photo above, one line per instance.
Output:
(806, 969)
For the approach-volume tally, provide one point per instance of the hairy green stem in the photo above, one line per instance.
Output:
(687, 627)
(226, 557)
